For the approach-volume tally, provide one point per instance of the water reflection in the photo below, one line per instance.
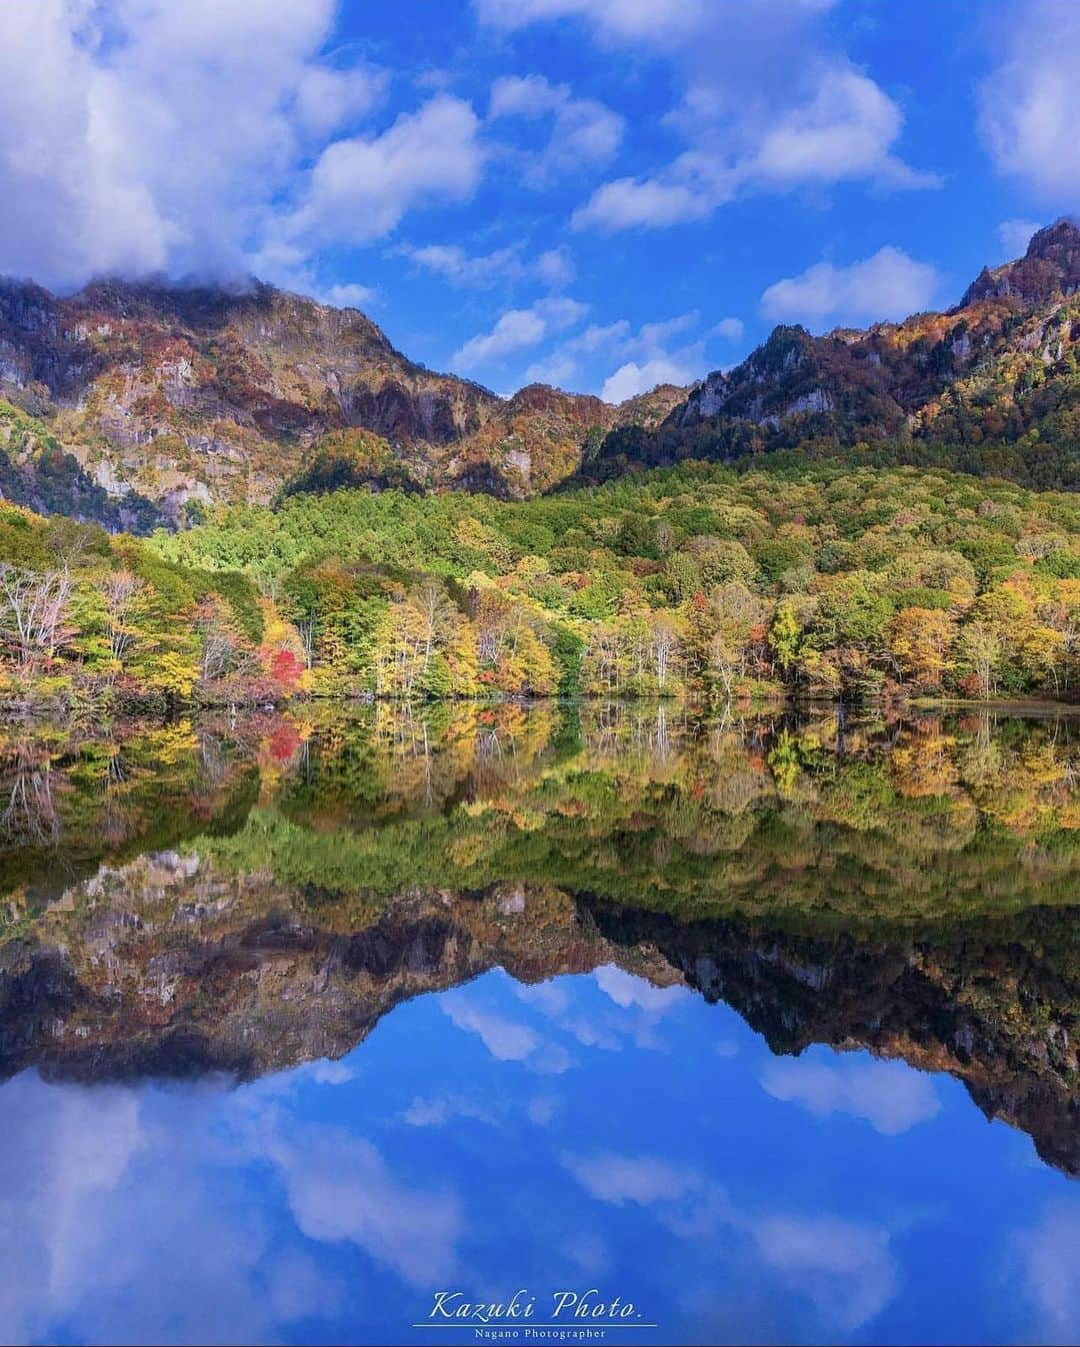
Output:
(722, 1007)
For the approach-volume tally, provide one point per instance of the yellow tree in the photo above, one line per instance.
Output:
(921, 641)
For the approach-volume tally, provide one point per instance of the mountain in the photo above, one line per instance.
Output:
(990, 386)
(161, 396)
(137, 403)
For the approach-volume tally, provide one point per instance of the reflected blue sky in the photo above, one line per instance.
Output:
(590, 1131)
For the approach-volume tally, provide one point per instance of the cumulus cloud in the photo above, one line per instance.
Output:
(630, 203)
(654, 359)
(1029, 104)
(616, 19)
(585, 134)
(348, 296)
(890, 1096)
(360, 187)
(631, 379)
(143, 135)
(517, 330)
(768, 104)
(888, 285)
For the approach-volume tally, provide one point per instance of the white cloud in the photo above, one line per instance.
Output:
(146, 135)
(645, 357)
(619, 19)
(517, 330)
(631, 379)
(890, 1096)
(768, 104)
(1029, 105)
(888, 285)
(844, 131)
(554, 268)
(731, 329)
(453, 263)
(629, 203)
(585, 134)
(325, 98)
(1015, 235)
(351, 296)
(558, 370)
(361, 187)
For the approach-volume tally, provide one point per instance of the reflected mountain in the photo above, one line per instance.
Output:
(247, 896)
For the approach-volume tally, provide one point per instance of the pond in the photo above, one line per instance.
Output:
(351, 1026)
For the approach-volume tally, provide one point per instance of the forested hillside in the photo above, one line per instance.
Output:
(698, 581)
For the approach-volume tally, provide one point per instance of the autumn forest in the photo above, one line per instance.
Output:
(696, 582)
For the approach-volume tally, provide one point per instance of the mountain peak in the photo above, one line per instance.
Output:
(1050, 268)
(1058, 242)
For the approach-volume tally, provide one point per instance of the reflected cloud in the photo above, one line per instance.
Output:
(339, 1188)
(542, 1109)
(1050, 1256)
(111, 1215)
(434, 1112)
(845, 1268)
(890, 1096)
(622, 1178)
(627, 990)
(505, 1039)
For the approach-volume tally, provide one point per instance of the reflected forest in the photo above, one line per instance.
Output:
(245, 893)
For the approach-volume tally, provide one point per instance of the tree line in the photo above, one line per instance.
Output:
(695, 582)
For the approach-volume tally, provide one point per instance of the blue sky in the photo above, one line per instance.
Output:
(602, 194)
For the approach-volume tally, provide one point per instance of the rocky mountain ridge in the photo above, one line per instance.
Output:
(174, 395)
(134, 403)
(956, 388)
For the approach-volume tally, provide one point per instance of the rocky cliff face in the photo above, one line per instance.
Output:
(176, 395)
(1002, 368)
(1049, 269)
(882, 380)
(200, 394)
(138, 399)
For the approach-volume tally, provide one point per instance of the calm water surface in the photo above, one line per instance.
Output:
(768, 1026)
